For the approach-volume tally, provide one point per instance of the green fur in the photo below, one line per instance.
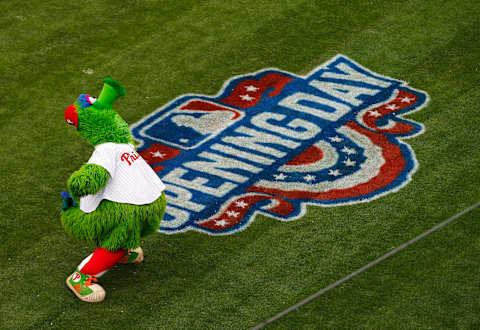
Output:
(112, 225)
(99, 126)
(99, 123)
(88, 180)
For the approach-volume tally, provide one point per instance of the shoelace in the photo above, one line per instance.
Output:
(89, 280)
(127, 257)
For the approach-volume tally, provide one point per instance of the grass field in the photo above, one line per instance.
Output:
(54, 50)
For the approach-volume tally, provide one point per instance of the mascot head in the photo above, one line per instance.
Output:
(95, 119)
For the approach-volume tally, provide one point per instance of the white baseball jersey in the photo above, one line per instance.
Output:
(131, 181)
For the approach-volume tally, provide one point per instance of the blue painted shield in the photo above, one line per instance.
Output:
(272, 142)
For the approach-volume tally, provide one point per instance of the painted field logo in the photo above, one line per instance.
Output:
(272, 142)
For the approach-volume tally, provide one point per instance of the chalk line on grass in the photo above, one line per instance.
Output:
(364, 268)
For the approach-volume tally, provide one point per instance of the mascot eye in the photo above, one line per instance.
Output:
(85, 101)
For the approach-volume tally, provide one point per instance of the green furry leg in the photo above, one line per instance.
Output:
(158, 212)
(113, 225)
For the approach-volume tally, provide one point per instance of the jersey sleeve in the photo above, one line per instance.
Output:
(104, 156)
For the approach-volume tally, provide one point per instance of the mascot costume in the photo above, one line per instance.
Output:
(121, 199)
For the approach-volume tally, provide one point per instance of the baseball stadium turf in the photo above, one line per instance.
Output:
(51, 51)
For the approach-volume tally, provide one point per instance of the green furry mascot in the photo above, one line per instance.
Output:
(121, 199)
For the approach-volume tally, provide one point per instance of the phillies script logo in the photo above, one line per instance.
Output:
(272, 142)
(129, 158)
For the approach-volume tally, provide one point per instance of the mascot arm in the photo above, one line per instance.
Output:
(88, 180)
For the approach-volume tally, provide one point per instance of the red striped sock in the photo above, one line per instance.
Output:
(100, 261)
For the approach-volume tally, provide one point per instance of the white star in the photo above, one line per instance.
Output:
(334, 172)
(221, 223)
(241, 204)
(406, 99)
(251, 88)
(336, 139)
(247, 97)
(233, 214)
(349, 162)
(349, 151)
(374, 113)
(309, 177)
(157, 154)
(280, 176)
(392, 107)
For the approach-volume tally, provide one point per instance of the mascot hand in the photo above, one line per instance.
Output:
(88, 180)
(68, 201)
